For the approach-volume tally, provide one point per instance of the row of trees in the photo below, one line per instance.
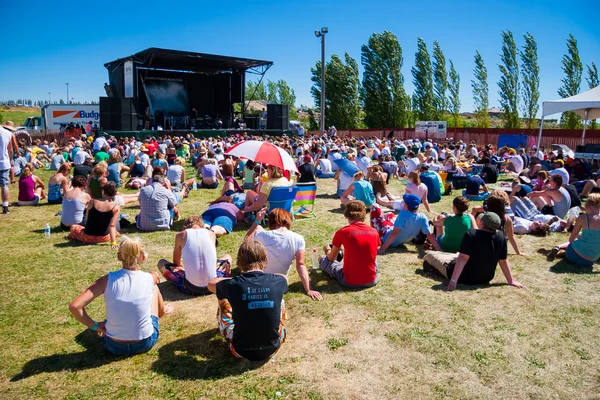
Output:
(278, 92)
(37, 103)
(380, 100)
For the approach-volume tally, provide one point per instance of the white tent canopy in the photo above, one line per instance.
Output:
(586, 105)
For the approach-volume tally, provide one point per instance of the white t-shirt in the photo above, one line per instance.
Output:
(80, 157)
(363, 163)
(5, 139)
(325, 165)
(345, 181)
(517, 162)
(411, 164)
(282, 246)
(199, 256)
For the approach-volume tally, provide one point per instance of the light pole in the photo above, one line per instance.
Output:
(49, 99)
(67, 92)
(321, 34)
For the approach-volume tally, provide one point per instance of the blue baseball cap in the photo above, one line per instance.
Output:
(412, 201)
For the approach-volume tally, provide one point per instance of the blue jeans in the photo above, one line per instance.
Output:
(335, 270)
(127, 349)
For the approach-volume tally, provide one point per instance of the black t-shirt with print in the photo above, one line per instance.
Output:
(255, 299)
(484, 249)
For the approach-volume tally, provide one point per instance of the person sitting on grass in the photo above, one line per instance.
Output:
(195, 260)
(251, 314)
(408, 224)
(583, 250)
(480, 251)
(31, 187)
(97, 180)
(275, 179)
(133, 304)
(360, 242)
(101, 219)
(554, 200)
(74, 204)
(415, 187)
(283, 246)
(210, 175)
(58, 184)
(449, 230)
(157, 206)
(360, 189)
(474, 185)
(378, 179)
(116, 168)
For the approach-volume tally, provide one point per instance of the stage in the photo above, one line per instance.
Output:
(199, 133)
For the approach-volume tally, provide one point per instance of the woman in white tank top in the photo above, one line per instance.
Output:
(133, 304)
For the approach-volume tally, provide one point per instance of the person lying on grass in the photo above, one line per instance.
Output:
(360, 242)
(195, 249)
(251, 313)
(480, 251)
(583, 250)
(133, 304)
(283, 246)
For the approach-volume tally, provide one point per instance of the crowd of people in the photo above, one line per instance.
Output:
(464, 245)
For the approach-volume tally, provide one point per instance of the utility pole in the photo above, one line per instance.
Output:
(67, 92)
(321, 34)
(49, 99)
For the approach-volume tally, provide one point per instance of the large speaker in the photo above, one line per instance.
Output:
(592, 148)
(117, 113)
(278, 116)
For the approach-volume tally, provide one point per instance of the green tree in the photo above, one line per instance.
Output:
(384, 100)
(530, 76)
(440, 81)
(509, 81)
(480, 92)
(422, 99)
(454, 95)
(342, 84)
(593, 81)
(286, 95)
(272, 92)
(573, 69)
(255, 91)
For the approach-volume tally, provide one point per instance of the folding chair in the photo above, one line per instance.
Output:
(282, 197)
(306, 196)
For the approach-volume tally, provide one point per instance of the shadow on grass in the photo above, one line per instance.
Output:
(201, 356)
(75, 243)
(170, 292)
(321, 282)
(566, 267)
(433, 274)
(93, 356)
(327, 196)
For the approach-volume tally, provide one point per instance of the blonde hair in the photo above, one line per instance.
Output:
(593, 200)
(358, 175)
(131, 252)
(180, 161)
(276, 172)
(100, 169)
(252, 255)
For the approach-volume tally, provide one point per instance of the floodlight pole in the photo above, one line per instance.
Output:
(67, 92)
(322, 34)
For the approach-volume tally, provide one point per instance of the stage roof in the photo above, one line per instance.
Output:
(178, 60)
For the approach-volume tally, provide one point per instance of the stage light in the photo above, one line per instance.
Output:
(324, 30)
(317, 34)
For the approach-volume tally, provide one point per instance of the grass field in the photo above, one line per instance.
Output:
(18, 115)
(404, 338)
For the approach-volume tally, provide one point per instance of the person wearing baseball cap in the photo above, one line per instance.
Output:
(408, 224)
(481, 250)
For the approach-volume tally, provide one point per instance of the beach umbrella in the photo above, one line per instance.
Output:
(265, 153)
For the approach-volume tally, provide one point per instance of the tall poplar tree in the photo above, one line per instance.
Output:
(593, 81)
(573, 69)
(422, 98)
(480, 92)
(383, 97)
(530, 76)
(454, 95)
(509, 81)
(342, 86)
(440, 81)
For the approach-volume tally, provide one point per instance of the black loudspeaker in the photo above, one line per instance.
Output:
(278, 116)
(109, 90)
(237, 87)
(105, 121)
(580, 149)
(592, 148)
(119, 114)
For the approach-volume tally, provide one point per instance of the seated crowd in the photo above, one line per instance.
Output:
(465, 244)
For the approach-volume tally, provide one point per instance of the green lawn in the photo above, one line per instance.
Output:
(18, 115)
(404, 338)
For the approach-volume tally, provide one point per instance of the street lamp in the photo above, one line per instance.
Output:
(321, 34)
(49, 100)
(67, 92)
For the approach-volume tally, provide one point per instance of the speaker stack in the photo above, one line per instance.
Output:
(278, 116)
(118, 114)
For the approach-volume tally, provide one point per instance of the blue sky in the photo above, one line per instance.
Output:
(49, 43)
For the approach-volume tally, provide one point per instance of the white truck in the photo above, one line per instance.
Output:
(53, 115)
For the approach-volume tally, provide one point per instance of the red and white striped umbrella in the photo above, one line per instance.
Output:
(265, 153)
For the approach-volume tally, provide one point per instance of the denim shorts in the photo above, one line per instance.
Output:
(4, 177)
(127, 349)
(576, 258)
(219, 217)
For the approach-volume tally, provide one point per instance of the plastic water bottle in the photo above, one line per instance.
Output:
(47, 231)
(315, 259)
(195, 186)
(47, 165)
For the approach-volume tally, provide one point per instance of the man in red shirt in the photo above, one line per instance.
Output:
(360, 243)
